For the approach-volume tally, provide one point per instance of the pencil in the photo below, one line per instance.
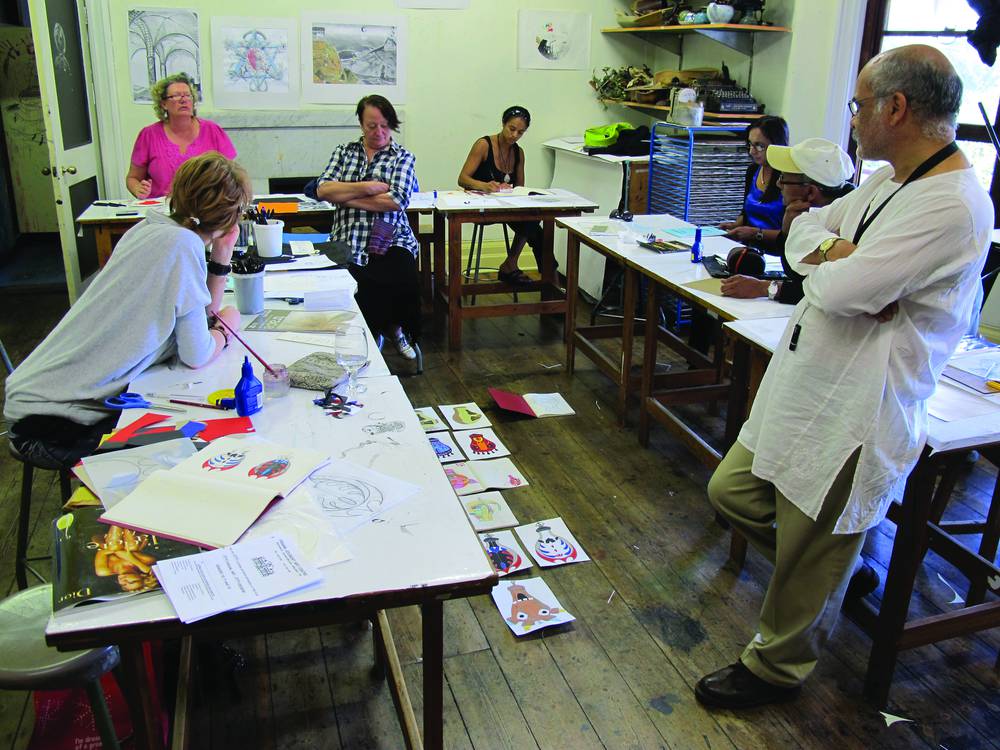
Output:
(245, 344)
(196, 403)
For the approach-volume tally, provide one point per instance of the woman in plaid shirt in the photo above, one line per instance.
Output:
(369, 181)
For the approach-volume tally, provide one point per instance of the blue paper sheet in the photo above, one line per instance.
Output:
(287, 237)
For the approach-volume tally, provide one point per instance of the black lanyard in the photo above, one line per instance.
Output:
(932, 161)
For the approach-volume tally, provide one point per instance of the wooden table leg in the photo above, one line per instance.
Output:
(135, 686)
(454, 283)
(739, 389)
(648, 358)
(628, 332)
(987, 548)
(433, 653)
(102, 238)
(572, 284)
(439, 254)
(548, 268)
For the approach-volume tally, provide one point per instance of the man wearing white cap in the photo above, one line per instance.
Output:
(814, 173)
(840, 416)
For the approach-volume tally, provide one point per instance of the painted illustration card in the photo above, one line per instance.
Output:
(480, 444)
(466, 416)
(527, 605)
(429, 420)
(475, 476)
(504, 552)
(488, 511)
(446, 447)
(551, 543)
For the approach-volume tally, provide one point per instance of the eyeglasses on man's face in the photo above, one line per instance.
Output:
(854, 105)
(757, 147)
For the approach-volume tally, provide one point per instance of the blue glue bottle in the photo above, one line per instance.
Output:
(249, 392)
(696, 246)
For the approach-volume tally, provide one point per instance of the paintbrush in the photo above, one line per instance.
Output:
(246, 346)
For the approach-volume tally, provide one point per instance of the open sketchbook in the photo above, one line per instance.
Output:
(533, 404)
(214, 496)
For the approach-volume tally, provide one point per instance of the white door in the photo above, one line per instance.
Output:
(59, 30)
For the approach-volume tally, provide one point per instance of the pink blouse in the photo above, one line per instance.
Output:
(161, 157)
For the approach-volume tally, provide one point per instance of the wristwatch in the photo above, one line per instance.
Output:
(759, 236)
(218, 269)
(826, 245)
(772, 289)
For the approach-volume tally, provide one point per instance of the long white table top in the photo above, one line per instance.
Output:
(425, 541)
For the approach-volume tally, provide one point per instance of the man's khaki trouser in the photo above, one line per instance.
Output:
(812, 565)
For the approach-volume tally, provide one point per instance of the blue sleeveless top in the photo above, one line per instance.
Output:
(760, 213)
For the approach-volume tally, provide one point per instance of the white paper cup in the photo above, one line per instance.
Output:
(268, 238)
(249, 288)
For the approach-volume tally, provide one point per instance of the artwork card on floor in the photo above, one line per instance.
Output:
(429, 420)
(504, 552)
(551, 543)
(532, 404)
(481, 444)
(488, 511)
(466, 416)
(208, 583)
(475, 476)
(446, 447)
(527, 605)
(351, 495)
(112, 476)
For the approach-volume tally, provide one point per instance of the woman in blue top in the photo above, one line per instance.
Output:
(760, 220)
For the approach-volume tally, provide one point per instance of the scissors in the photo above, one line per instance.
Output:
(135, 401)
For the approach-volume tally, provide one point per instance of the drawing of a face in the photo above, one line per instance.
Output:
(224, 461)
(441, 449)
(503, 558)
(484, 511)
(552, 547)
(465, 415)
(480, 445)
(270, 469)
(526, 609)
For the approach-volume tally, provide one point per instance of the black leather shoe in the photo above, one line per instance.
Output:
(736, 686)
(862, 583)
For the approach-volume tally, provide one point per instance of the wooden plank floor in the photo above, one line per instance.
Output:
(656, 609)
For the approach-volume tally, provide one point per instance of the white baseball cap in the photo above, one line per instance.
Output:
(818, 159)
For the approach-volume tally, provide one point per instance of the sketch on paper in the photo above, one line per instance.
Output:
(254, 62)
(553, 40)
(347, 56)
(351, 495)
(257, 61)
(161, 42)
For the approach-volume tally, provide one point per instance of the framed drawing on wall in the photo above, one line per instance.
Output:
(255, 63)
(345, 57)
(161, 42)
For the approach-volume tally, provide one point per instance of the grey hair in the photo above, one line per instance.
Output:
(933, 92)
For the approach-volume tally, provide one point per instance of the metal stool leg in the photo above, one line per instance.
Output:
(472, 248)
(479, 256)
(506, 242)
(64, 486)
(23, 519)
(102, 716)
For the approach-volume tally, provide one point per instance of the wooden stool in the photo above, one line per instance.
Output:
(27, 663)
(476, 249)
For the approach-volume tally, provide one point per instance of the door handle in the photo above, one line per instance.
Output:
(46, 171)
(69, 170)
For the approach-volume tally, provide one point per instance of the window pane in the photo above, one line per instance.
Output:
(981, 83)
(984, 159)
(930, 15)
(868, 168)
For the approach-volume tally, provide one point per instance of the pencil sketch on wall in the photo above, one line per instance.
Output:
(161, 42)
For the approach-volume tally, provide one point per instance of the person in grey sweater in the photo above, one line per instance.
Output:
(152, 302)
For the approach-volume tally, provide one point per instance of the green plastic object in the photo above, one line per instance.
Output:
(604, 135)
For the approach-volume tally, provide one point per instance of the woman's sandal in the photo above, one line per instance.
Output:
(517, 277)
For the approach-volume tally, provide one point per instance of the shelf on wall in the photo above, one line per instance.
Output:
(737, 36)
(721, 117)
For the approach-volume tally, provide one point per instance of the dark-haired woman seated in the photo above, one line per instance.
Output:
(496, 163)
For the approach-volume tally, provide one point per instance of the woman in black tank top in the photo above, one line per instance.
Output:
(496, 163)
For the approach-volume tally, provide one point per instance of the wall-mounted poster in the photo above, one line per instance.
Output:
(161, 42)
(553, 40)
(255, 63)
(345, 57)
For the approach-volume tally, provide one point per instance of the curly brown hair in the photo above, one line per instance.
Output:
(209, 192)
(159, 92)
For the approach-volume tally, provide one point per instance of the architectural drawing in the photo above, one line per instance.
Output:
(161, 41)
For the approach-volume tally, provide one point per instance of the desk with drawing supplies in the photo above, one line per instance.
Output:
(456, 208)
(961, 426)
(421, 552)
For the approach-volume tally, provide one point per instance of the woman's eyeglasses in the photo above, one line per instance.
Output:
(179, 98)
(758, 147)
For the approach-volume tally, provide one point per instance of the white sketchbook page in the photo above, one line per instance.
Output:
(504, 552)
(481, 444)
(467, 416)
(191, 509)
(488, 511)
(208, 583)
(548, 404)
(551, 543)
(527, 605)
(499, 474)
(112, 476)
(298, 517)
(446, 447)
(351, 496)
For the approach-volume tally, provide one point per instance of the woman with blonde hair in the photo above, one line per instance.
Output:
(152, 302)
(177, 135)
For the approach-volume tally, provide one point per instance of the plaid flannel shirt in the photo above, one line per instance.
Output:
(394, 166)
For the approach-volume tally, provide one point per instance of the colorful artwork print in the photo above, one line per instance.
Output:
(504, 552)
(551, 543)
(461, 479)
(429, 420)
(257, 61)
(488, 510)
(465, 416)
(354, 53)
(224, 461)
(480, 444)
(442, 450)
(445, 447)
(475, 476)
(528, 605)
(275, 467)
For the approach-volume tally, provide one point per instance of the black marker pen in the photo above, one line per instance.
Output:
(794, 340)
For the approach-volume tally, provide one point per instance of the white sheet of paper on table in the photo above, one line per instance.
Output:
(551, 543)
(302, 247)
(528, 604)
(245, 573)
(351, 495)
(299, 518)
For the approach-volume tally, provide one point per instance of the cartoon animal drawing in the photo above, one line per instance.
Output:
(526, 609)
(503, 558)
(552, 547)
(426, 420)
(480, 445)
(275, 467)
(465, 415)
(224, 461)
(484, 511)
(442, 450)
(375, 429)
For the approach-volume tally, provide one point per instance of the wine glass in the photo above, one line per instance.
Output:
(351, 350)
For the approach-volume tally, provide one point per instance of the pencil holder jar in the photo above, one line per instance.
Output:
(268, 238)
(249, 288)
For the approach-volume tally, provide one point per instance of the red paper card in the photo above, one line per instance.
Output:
(216, 428)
